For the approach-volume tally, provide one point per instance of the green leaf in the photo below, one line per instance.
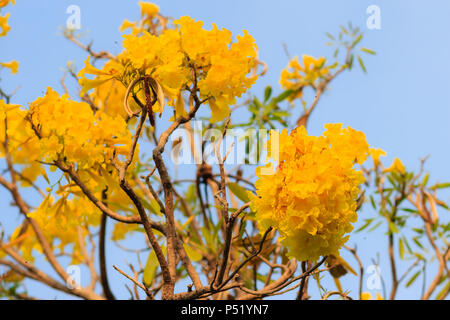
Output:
(372, 201)
(150, 269)
(412, 279)
(393, 227)
(401, 248)
(330, 36)
(419, 256)
(238, 191)
(344, 30)
(361, 63)
(357, 40)
(366, 50)
(443, 205)
(442, 293)
(267, 93)
(375, 226)
(281, 113)
(410, 210)
(416, 241)
(441, 185)
(336, 52)
(407, 245)
(282, 96)
(350, 63)
(257, 103)
(425, 180)
(365, 225)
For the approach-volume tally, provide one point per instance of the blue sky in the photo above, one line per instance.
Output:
(402, 103)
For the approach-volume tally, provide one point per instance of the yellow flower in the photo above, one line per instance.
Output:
(4, 3)
(12, 65)
(368, 296)
(70, 130)
(175, 57)
(311, 197)
(24, 146)
(4, 28)
(110, 71)
(126, 24)
(375, 154)
(295, 76)
(148, 9)
(179, 58)
(121, 230)
(397, 166)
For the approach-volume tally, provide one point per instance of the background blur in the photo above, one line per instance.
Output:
(402, 104)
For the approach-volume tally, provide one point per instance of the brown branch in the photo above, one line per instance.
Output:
(140, 285)
(102, 256)
(361, 268)
(440, 256)
(99, 55)
(332, 293)
(88, 260)
(140, 208)
(256, 253)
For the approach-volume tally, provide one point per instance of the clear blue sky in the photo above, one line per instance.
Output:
(402, 103)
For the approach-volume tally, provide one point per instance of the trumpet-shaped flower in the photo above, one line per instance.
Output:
(295, 76)
(12, 65)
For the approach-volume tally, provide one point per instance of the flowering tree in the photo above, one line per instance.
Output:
(216, 234)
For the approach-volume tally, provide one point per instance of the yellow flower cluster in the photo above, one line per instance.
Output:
(148, 9)
(61, 222)
(311, 197)
(23, 146)
(151, 21)
(181, 57)
(222, 66)
(296, 77)
(109, 96)
(70, 131)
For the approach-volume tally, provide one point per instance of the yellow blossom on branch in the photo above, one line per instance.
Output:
(148, 9)
(311, 197)
(397, 166)
(110, 71)
(376, 154)
(296, 77)
(23, 146)
(181, 58)
(70, 130)
(12, 65)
